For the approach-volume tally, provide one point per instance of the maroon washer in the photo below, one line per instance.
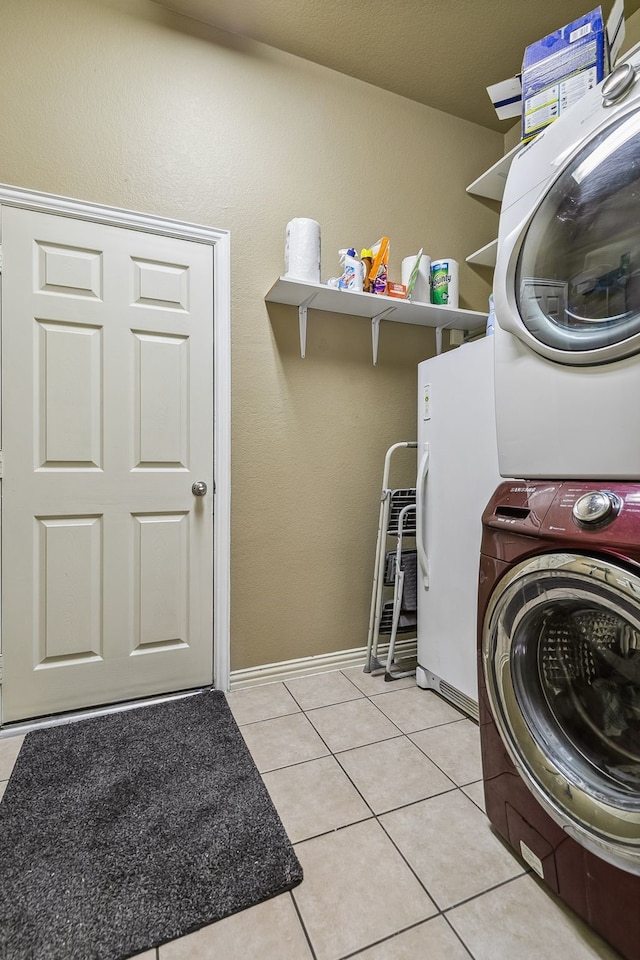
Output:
(559, 691)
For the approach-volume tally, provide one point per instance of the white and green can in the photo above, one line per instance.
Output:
(444, 282)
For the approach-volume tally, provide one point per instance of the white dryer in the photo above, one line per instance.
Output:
(567, 293)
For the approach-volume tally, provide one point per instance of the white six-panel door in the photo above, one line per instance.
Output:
(107, 555)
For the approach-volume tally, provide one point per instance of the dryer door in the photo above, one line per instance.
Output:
(561, 657)
(572, 271)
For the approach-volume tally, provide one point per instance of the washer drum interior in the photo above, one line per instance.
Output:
(561, 657)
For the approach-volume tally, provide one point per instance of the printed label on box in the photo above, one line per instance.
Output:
(580, 32)
(572, 89)
(542, 109)
(546, 106)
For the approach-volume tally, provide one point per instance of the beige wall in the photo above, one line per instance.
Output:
(120, 102)
(632, 32)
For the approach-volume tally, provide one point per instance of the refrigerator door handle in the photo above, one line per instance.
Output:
(423, 470)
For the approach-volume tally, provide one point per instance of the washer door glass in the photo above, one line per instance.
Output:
(578, 271)
(561, 650)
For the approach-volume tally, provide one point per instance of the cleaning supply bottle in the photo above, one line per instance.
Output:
(367, 260)
(353, 271)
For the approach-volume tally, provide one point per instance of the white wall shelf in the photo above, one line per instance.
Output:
(485, 256)
(317, 296)
(492, 182)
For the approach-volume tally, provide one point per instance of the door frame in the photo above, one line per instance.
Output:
(220, 242)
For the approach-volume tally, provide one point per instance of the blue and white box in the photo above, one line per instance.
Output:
(558, 70)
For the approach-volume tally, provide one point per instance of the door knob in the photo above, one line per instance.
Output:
(199, 488)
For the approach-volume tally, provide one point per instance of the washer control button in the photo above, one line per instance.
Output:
(618, 84)
(597, 508)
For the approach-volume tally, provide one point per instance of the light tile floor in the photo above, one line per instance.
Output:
(379, 788)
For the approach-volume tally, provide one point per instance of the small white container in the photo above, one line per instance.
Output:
(302, 250)
(422, 288)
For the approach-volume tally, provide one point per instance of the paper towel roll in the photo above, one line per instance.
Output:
(422, 288)
(302, 250)
(444, 282)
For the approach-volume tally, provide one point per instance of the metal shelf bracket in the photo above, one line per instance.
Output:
(302, 323)
(375, 331)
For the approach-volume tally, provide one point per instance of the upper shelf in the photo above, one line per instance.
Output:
(485, 256)
(318, 296)
(492, 182)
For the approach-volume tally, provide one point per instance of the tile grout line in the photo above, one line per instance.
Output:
(332, 830)
(481, 809)
(364, 800)
(441, 912)
(442, 771)
(354, 784)
(425, 754)
(372, 816)
(354, 700)
(279, 716)
(456, 934)
(360, 692)
(303, 925)
(377, 820)
(377, 943)
(495, 886)
(402, 855)
(401, 806)
(335, 755)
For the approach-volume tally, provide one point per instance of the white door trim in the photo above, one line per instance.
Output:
(220, 242)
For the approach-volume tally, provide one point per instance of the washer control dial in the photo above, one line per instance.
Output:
(596, 509)
(618, 84)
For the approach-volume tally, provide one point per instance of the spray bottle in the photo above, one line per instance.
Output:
(352, 271)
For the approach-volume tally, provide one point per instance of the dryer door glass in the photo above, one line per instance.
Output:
(578, 270)
(562, 664)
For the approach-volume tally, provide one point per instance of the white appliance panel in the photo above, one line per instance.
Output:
(564, 423)
(458, 425)
(568, 375)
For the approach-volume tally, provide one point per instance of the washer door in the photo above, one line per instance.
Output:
(561, 656)
(572, 270)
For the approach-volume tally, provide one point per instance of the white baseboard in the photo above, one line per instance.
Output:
(306, 666)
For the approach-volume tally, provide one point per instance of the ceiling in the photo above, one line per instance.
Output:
(443, 53)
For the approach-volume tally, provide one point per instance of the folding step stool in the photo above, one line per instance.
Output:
(395, 568)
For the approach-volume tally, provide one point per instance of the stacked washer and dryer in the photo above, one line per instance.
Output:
(559, 590)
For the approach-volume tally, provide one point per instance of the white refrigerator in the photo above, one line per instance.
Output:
(457, 473)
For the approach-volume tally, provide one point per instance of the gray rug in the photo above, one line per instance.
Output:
(122, 832)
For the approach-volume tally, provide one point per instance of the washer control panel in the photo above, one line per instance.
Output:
(580, 514)
(596, 508)
(602, 514)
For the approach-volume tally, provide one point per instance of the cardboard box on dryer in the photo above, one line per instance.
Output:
(558, 70)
